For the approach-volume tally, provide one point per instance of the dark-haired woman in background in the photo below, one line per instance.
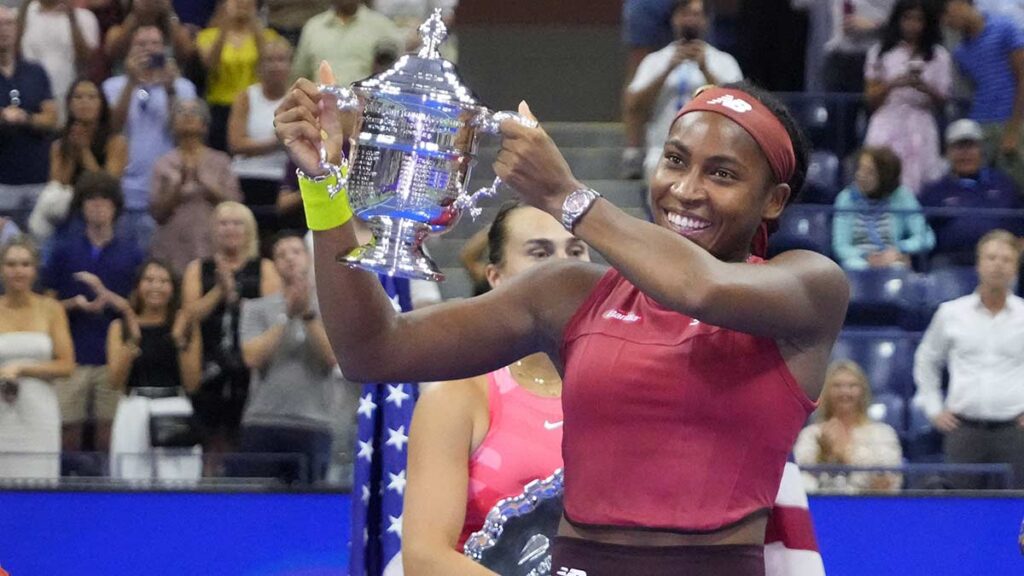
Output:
(509, 421)
(86, 144)
(878, 222)
(688, 368)
(153, 358)
(908, 77)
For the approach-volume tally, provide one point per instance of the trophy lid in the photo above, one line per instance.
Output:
(424, 76)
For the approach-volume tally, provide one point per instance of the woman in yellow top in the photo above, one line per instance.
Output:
(230, 52)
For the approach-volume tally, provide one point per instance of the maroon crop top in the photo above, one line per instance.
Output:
(671, 423)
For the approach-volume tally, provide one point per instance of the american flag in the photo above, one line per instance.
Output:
(790, 548)
(385, 412)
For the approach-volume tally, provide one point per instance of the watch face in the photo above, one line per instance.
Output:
(577, 201)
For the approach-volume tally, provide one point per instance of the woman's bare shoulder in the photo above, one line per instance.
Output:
(49, 305)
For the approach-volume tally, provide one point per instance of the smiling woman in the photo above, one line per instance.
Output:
(688, 368)
(845, 435)
(35, 349)
(769, 154)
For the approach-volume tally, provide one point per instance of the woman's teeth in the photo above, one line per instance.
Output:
(686, 224)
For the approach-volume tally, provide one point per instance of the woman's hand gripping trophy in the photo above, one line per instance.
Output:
(307, 119)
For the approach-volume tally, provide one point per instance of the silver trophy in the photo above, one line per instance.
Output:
(407, 172)
(515, 539)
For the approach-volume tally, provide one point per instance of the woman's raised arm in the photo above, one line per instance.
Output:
(374, 343)
(447, 341)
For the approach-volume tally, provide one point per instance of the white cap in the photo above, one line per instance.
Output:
(962, 130)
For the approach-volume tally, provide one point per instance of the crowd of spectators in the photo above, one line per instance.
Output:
(134, 138)
(136, 148)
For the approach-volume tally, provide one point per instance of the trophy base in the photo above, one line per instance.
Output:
(396, 250)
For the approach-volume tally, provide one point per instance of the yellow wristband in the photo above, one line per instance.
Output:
(322, 211)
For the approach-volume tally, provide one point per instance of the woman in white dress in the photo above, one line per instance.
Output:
(35, 348)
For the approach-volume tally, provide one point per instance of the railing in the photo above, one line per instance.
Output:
(934, 475)
(170, 469)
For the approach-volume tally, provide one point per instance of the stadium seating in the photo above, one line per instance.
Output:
(925, 292)
(890, 409)
(803, 227)
(887, 357)
(878, 296)
(823, 179)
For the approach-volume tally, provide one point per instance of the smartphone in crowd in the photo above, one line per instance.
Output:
(158, 60)
(688, 35)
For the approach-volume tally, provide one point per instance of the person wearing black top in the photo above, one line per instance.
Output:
(153, 357)
(212, 292)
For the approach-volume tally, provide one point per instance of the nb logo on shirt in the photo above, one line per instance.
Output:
(563, 571)
(732, 103)
(627, 317)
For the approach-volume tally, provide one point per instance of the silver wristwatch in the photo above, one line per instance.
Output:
(576, 205)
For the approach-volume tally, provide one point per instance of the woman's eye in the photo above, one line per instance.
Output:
(723, 174)
(673, 158)
(538, 254)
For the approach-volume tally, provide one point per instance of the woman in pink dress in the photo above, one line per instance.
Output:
(908, 79)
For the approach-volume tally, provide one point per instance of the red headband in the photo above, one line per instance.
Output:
(756, 119)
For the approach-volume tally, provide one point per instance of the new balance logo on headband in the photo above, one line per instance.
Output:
(732, 103)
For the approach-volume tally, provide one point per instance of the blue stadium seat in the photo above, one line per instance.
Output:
(887, 357)
(803, 227)
(816, 117)
(878, 296)
(922, 442)
(924, 293)
(890, 409)
(951, 283)
(823, 181)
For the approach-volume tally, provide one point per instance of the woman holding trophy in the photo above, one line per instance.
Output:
(689, 367)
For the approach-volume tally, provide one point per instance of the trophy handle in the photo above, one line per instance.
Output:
(490, 122)
(345, 99)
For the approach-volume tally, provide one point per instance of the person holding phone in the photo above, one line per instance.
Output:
(908, 77)
(142, 99)
(666, 80)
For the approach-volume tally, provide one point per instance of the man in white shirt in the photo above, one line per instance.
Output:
(980, 338)
(666, 80)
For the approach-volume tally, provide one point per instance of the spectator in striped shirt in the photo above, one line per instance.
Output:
(991, 55)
